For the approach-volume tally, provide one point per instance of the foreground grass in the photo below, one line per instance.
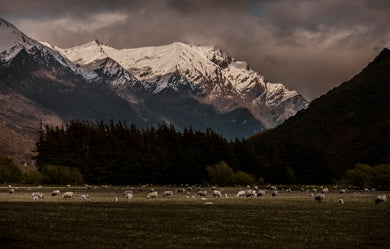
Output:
(288, 221)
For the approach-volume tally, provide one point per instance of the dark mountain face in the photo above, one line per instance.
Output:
(48, 83)
(348, 125)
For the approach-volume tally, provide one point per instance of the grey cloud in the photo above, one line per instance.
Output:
(310, 46)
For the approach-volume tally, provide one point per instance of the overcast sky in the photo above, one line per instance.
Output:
(308, 45)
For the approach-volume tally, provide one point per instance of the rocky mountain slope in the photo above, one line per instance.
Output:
(178, 83)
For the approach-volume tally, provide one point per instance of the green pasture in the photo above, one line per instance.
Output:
(289, 220)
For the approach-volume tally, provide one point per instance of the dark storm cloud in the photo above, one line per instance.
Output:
(310, 46)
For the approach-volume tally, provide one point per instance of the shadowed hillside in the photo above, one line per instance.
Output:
(348, 125)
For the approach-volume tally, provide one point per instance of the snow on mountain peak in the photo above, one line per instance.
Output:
(12, 40)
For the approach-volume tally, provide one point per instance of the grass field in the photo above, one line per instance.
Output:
(290, 220)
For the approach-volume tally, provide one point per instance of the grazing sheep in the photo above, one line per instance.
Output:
(11, 190)
(342, 191)
(115, 199)
(167, 194)
(250, 193)
(202, 193)
(274, 188)
(341, 201)
(40, 195)
(127, 192)
(324, 190)
(129, 196)
(226, 196)
(241, 194)
(55, 193)
(260, 193)
(366, 190)
(35, 198)
(67, 195)
(380, 198)
(311, 195)
(84, 197)
(152, 195)
(274, 193)
(319, 198)
(217, 194)
(68, 186)
(180, 190)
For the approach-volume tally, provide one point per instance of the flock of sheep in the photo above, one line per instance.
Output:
(250, 192)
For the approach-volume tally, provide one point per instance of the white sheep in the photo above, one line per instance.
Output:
(380, 198)
(250, 193)
(67, 195)
(35, 198)
(129, 196)
(241, 194)
(324, 190)
(115, 199)
(11, 190)
(274, 193)
(260, 193)
(167, 194)
(152, 195)
(84, 197)
(127, 192)
(40, 195)
(217, 193)
(341, 201)
(55, 193)
(319, 197)
(68, 186)
(342, 191)
(202, 193)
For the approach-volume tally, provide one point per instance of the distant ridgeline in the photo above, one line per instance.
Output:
(116, 154)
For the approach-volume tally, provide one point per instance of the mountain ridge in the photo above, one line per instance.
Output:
(196, 92)
(347, 125)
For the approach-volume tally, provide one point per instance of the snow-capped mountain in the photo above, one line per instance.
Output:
(92, 84)
(13, 41)
(215, 77)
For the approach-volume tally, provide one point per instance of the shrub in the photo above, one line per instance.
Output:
(382, 176)
(55, 174)
(221, 174)
(9, 173)
(32, 177)
(243, 178)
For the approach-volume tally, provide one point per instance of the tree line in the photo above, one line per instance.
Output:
(112, 152)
